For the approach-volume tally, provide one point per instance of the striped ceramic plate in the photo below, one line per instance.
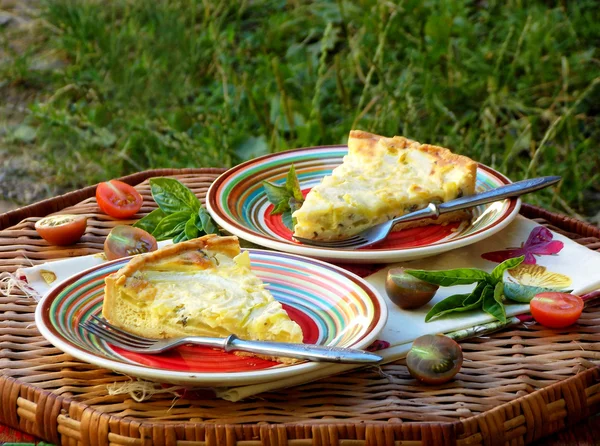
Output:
(238, 203)
(332, 306)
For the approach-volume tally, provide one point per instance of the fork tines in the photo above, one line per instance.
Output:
(116, 329)
(114, 335)
(345, 243)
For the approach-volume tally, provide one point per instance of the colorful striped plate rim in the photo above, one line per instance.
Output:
(333, 307)
(238, 203)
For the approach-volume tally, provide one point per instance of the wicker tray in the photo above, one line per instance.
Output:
(515, 386)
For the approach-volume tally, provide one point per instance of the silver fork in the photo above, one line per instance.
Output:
(134, 343)
(379, 232)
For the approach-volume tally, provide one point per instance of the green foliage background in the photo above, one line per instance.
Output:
(191, 83)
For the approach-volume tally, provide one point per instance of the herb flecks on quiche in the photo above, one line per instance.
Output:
(201, 287)
(382, 178)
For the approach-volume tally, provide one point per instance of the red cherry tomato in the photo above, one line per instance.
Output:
(61, 229)
(556, 310)
(125, 241)
(118, 199)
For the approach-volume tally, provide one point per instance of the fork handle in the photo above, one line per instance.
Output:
(500, 193)
(319, 353)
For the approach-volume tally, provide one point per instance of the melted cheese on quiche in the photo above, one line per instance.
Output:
(379, 179)
(202, 292)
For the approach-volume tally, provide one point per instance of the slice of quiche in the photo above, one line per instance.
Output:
(202, 287)
(382, 178)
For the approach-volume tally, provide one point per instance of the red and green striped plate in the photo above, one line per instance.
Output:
(333, 307)
(238, 203)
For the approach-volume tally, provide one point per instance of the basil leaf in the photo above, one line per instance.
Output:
(178, 230)
(294, 206)
(150, 221)
(208, 225)
(491, 306)
(451, 303)
(180, 215)
(475, 295)
(287, 220)
(293, 185)
(281, 208)
(498, 272)
(171, 196)
(524, 293)
(285, 198)
(171, 226)
(454, 304)
(181, 237)
(460, 276)
(457, 303)
(277, 195)
(286, 217)
(191, 230)
(499, 293)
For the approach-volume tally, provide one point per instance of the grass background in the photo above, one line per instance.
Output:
(191, 83)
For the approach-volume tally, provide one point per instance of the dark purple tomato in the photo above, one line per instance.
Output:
(406, 291)
(125, 241)
(434, 359)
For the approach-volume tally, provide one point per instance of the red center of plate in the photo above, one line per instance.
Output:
(194, 358)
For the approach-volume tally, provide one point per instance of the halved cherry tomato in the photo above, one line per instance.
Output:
(556, 310)
(61, 229)
(125, 241)
(434, 359)
(118, 199)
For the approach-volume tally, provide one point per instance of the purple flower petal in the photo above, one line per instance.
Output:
(539, 235)
(539, 243)
(548, 248)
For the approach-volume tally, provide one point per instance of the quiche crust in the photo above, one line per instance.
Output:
(201, 287)
(365, 143)
(382, 178)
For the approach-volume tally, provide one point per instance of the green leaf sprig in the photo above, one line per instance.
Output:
(180, 215)
(286, 198)
(487, 295)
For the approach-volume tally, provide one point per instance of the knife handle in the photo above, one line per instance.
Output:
(500, 193)
(319, 353)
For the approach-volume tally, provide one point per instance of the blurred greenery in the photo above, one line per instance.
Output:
(191, 83)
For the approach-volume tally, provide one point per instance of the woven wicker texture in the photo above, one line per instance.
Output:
(515, 386)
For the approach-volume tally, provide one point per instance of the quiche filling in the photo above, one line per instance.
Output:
(382, 178)
(202, 287)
